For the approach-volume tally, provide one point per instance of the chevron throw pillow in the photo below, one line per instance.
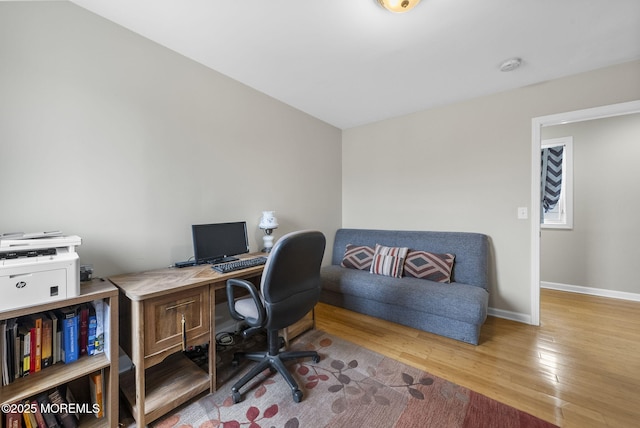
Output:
(357, 257)
(431, 266)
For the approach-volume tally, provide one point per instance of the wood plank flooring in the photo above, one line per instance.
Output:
(580, 368)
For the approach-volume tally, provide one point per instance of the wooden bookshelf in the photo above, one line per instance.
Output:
(60, 373)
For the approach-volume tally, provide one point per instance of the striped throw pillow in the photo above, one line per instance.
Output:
(388, 261)
(431, 266)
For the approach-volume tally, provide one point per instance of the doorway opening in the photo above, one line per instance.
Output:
(537, 124)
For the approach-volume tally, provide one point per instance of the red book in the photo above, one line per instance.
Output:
(84, 329)
(13, 420)
(39, 417)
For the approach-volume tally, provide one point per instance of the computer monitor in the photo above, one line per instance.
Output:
(219, 242)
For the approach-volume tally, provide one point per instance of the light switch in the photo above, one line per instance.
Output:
(523, 214)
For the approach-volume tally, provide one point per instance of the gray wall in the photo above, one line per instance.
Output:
(125, 143)
(467, 167)
(601, 251)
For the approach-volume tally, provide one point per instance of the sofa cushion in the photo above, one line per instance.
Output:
(466, 303)
(357, 257)
(432, 266)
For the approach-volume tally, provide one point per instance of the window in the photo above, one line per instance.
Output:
(556, 183)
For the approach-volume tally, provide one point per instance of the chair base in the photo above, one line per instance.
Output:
(275, 363)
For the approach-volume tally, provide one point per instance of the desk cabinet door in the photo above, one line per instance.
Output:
(169, 318)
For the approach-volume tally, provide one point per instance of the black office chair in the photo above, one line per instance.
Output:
(289, 289)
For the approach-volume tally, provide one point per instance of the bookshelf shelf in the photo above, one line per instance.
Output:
(60, 373)
(50, 377)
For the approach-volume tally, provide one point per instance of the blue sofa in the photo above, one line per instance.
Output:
(456, 310)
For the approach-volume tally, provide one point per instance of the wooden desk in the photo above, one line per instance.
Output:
(153, 307)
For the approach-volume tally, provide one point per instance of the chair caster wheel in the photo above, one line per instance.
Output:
(236, 397)
(316, 359)
(297, 396)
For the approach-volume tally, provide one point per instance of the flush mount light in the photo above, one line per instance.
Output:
(510, 64)
(398, 6)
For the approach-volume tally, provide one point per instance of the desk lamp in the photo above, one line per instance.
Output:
(268, 222)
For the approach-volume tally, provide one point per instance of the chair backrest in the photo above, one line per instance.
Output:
(290, 284)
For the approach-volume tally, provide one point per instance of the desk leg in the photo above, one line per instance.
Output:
(305, 324)
(137, 349)
(212, 340)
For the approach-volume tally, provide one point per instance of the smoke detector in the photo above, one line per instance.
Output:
(510, 64)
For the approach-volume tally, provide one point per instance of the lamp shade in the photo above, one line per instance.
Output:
(398, 6)
(268, 220)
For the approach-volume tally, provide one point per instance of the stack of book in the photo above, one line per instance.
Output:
(56, 408)
(32, 343)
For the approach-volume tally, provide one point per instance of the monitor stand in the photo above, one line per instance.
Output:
(223, 260)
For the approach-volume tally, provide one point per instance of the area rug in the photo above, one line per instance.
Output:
(349, 387)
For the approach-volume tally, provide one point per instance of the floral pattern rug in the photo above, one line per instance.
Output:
(349, 387)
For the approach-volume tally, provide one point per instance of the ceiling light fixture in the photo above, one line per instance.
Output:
(510, 64)
(398, 6)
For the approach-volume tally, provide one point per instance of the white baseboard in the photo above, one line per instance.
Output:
(526, 318)
(601, 292)
(509, 315)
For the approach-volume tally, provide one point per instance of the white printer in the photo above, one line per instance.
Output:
(38, 268)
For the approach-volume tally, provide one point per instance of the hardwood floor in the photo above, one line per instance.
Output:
(580, 368)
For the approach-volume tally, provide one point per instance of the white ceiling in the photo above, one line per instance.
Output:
(350, 62)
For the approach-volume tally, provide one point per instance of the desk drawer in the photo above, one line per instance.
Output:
(163, 319)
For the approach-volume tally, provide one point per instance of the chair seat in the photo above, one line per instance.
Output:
(247, 308)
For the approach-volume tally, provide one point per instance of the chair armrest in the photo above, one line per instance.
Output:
(255, 296)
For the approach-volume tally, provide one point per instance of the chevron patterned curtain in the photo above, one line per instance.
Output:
(551, 176)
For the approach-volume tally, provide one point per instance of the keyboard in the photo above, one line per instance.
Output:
(238, 265)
